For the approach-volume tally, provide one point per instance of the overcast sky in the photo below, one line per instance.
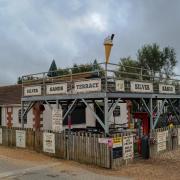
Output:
(33, 32)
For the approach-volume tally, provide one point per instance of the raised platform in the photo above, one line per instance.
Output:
(101, 95)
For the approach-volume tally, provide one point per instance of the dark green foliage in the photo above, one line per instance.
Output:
(19, 81)
(151, 60)
(128, 68)
(169, 58)
(27, 78)
(150, 57)
(159, 61)
(82, 68)
(98, 67)
(53, 69)
(61, 72)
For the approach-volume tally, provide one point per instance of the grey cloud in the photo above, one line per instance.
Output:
(34, 32)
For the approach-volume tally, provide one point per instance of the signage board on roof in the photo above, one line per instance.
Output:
(88, 86)
(56, 89)
(168, 89)
(119, 85)
(141, 87)
(32, 91)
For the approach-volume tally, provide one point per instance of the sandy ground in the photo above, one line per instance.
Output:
(165, 167)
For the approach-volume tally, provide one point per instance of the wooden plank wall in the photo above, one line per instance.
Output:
(80, 147)
(84, 147)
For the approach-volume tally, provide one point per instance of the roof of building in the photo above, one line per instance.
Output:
(10, 94)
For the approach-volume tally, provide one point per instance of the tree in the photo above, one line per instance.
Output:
(19, 81)
(88, 68)
(53, 69)
(61, 72)
(159, 61)
(97, 67)
(77, 68)
(128, 68)
(169, 58)
(81, 68)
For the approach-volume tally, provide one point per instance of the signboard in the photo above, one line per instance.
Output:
(57, 120)
(168, 89)
(117, 147)
(128, 150)
(117, 142)
(161, 146)
(20, 138)
(0, 135)
(141, 87)
(120, 85)
(110, 143)
(161, 136)
(103, 140)
(131, 125)
(117, 111)
(178, 136)
(88, 86)
(56, 89)
(161, 140)
(48, 142)
(117, 152)
(32, 91)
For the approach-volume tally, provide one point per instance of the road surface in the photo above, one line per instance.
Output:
(21, 164)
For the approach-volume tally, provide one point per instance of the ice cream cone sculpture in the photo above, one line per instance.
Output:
(108, 43)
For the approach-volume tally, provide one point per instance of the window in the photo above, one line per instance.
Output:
(19, 116)
(78, 116)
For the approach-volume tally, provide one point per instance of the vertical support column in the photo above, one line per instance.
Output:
(106, 123)
(129, 106)
(151, 113)
(9, 114)
(22, 112)
(71, 80)
(106, 108)
(106, 77)
(57, 104)
(44, 87)
(141, 74)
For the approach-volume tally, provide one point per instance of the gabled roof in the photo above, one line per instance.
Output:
(10, 94)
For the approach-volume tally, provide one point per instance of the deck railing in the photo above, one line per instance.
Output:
(108, 75)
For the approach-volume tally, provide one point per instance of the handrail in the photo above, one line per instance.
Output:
(141, 73)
